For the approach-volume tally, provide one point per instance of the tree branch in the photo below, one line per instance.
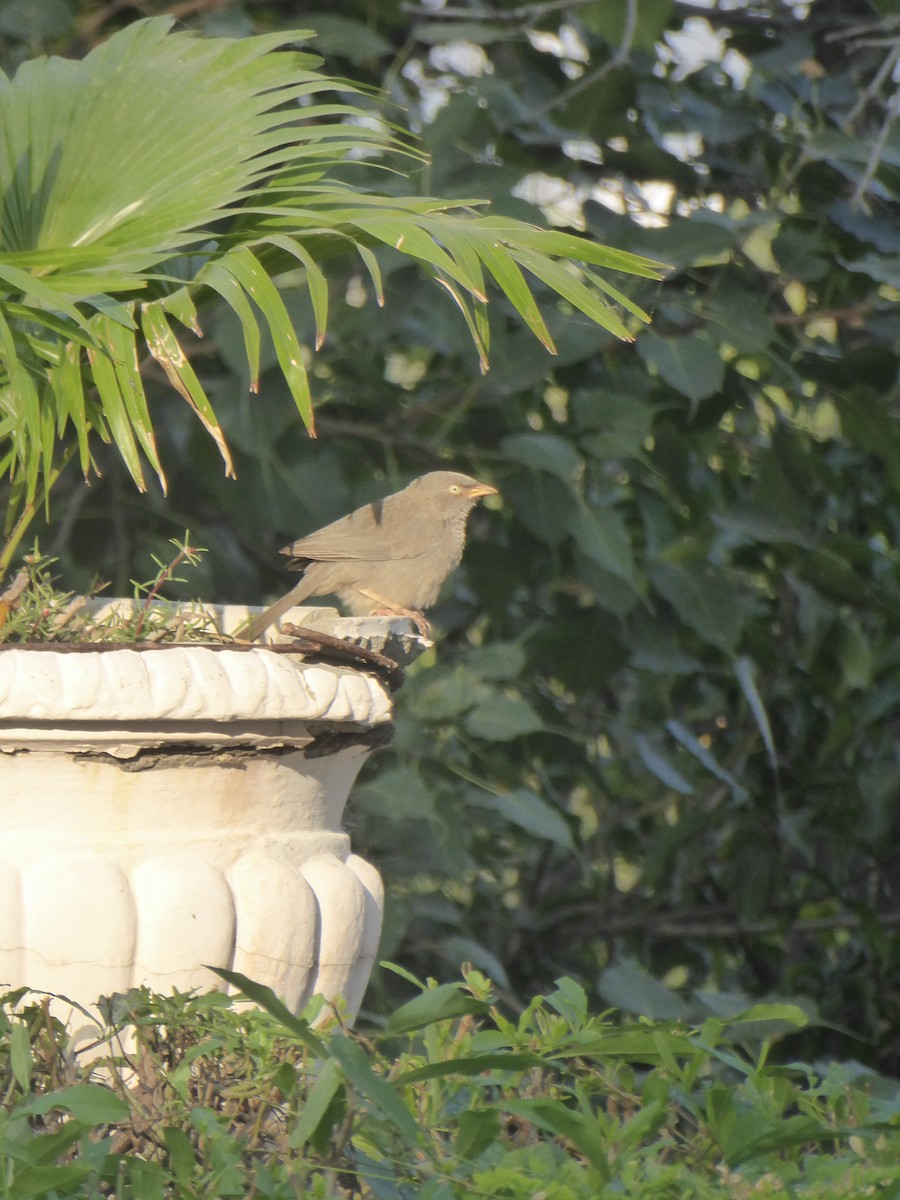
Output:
(522, 12)
(659, 926)
(619, 59)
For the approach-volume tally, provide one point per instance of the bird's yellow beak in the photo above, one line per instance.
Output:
(481, 489)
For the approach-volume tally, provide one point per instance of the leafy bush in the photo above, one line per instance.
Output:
(449, 1099)
(662, 719)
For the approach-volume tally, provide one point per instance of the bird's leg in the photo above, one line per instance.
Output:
(388, 609)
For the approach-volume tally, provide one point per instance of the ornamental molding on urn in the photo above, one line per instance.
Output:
(169, 809)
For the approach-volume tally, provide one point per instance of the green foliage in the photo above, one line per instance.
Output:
(695, 557)
(451, 1099)
(217, 174)
(660, 724)
(34, 610)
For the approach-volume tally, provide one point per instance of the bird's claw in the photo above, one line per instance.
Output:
(418, 619)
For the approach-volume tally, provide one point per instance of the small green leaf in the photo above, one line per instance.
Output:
(497, 660)
(147, 1179)
(372, 266)
(30, 285)
(476, 1130)
(474, 1065)
(786, 1132)
(464, 252)
(267, 1000)
(629, 987)
(790, 1014)
(534, 815)
(183, 309)
(745, 671)
(855, 656)
(90, 1103)
(692, 242)
(612, 20)
(317, 1105)
(569, 1000)
(354, 1064)
(20, 1057)
(685, 738)
(67, 384)
(703, 597)
(692, 365)
(544, 452)
(543, 503)
(397, 794)
(39, 1183)
(741, 319)
(351, 39)
(617, 426)
(602, 535)
(181, 1155)
(659, 764)
(448, 695)
(615, 294)
(557, 1118)
(440, 1003)
(502, 718)
(641, 1125)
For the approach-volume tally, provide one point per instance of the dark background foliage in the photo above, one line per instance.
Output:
(661, 723)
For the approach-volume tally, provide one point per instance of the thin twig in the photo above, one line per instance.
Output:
(165, 575)
(854, 31)
(92, 23)
(62, 619)
(874, 87)
(652, 925)
(739, 16)
(893, 109)
(522, 12)
(619, 59)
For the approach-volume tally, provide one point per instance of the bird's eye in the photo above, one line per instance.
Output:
(455, 489)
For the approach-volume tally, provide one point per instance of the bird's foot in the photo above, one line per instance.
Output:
(387, 608)
(418, 619)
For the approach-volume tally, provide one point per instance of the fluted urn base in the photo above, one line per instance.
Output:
(168, 810)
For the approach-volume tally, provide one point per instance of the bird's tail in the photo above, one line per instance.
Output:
(260, 624)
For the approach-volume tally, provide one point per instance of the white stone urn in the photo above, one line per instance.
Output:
(165, 810)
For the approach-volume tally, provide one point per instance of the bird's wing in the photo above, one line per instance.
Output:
(374, 533)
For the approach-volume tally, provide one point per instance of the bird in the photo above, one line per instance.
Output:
(387, 557)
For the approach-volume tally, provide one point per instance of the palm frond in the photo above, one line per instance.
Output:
(165, 171)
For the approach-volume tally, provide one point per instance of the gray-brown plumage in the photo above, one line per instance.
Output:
(389, 556)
